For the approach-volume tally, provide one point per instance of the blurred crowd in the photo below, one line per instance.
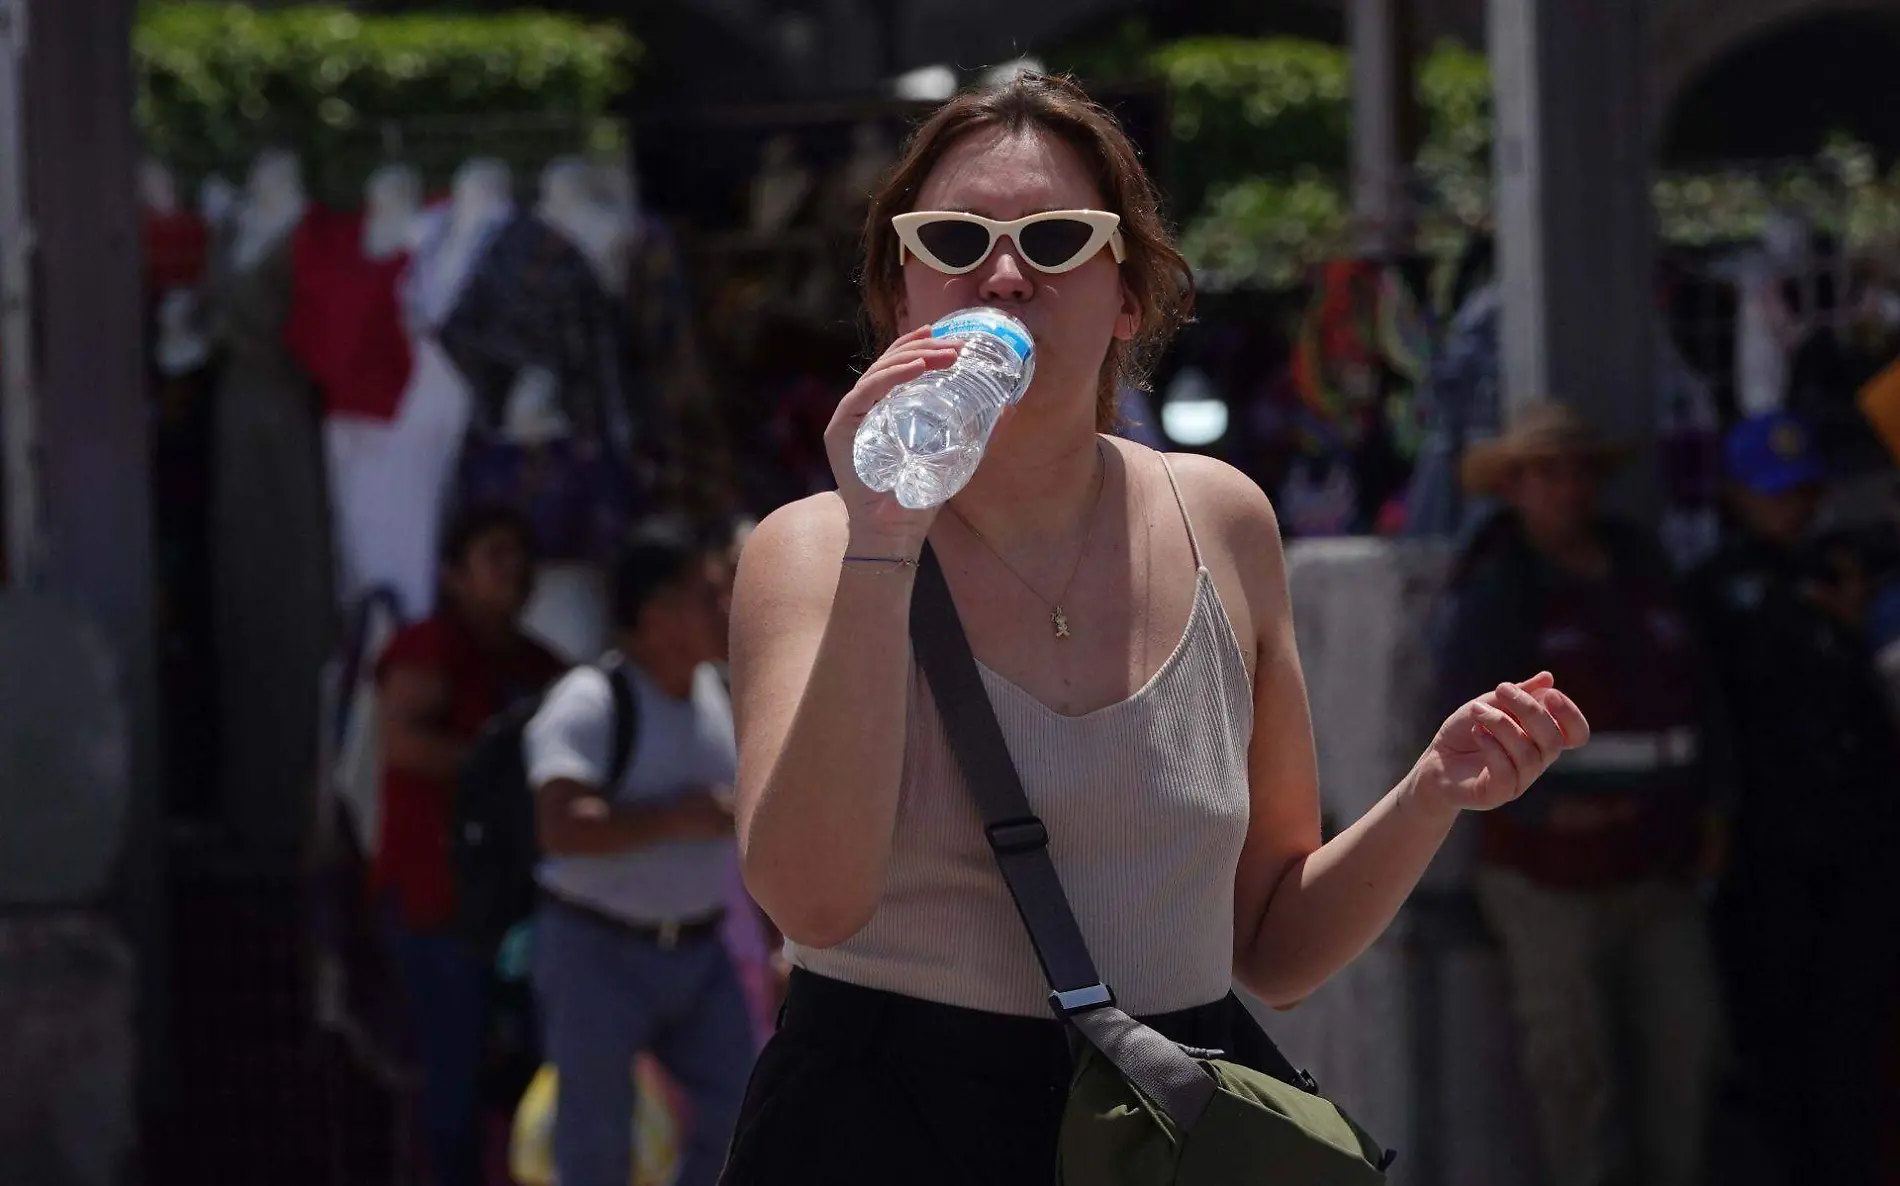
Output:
(1699, 911)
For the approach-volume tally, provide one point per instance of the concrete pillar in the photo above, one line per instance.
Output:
(1414, 1037)
(1574, 223)
(1385, 122)
(93, 476)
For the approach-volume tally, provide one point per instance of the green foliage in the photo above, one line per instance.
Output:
(1454, 163)
(1261, 232)
(1842, 193)
(1262, 142)
(218, 81)
(1246, 108)
(1263, 129)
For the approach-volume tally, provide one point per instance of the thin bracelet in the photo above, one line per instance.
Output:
(893, 561)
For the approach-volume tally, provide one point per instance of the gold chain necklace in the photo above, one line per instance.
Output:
(1057, 618)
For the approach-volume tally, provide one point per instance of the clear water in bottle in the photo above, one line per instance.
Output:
(925, 439)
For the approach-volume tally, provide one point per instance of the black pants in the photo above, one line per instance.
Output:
(867, 1088)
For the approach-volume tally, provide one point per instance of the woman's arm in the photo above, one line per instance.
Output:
(820, 680)
(820, 667)
(1304, 910)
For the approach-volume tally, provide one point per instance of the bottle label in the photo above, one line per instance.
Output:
(1001, 326)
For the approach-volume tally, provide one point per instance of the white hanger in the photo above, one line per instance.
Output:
(391, 201)
(780, 187)
(449, 243)
(615, 177)
(274, 203)
(483, 193)
(217, 201)
(158, 189)
(180, 348)
(573, 203)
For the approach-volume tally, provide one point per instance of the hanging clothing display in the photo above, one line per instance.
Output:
(669, 372)
(179, 383)
(1688, 459)
(1318, 499)
(345, 325)
(1364, 346)
(533, 307)
(396, 478)
(271, 558)
(389, 442)
(534, 301)
(1363, 342)
(1761, 354)
(576, 500)
(176, 243)
(1461, 401)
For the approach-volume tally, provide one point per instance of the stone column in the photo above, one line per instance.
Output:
(1385, 122)
(1413, 1038)
(92, 478)
(1576, 238)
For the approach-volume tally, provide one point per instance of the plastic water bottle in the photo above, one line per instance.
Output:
(925, 439)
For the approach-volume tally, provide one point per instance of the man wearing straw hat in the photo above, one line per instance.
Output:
(1592, 888)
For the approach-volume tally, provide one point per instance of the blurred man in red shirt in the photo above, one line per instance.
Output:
(441, 680)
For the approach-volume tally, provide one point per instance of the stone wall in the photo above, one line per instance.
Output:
(67, 977)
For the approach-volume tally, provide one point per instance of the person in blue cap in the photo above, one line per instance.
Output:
(1808, 920)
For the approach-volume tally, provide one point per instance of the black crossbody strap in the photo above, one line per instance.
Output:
(1166, 1074)
(626, 733)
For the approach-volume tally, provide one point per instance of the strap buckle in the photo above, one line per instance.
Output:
(668, 938)
(1068, 1003)
(1015, 837)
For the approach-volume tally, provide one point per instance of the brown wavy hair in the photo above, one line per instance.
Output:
(1156, 273)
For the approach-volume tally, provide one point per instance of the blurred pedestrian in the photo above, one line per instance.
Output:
(441, 679)
(1591, 885)
(1810, 912)
(628, 950)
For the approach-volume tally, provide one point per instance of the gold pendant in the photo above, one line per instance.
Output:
(1061, 621)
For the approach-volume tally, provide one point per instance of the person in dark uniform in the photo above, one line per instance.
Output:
(1809, 915)
(1591, 888)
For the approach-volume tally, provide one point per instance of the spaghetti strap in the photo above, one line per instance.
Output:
(1194, 541)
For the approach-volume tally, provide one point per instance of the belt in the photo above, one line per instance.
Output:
(667, 936)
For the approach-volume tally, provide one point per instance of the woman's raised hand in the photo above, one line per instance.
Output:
(1490, 751)
(878, 520)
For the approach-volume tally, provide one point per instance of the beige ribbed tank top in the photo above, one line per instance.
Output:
(1146, 803)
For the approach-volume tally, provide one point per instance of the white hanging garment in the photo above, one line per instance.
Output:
(1761, 359)
(217, 202)
(392, 202)
(272, 206)
(158, 188)
(393, 480)
(575, 205)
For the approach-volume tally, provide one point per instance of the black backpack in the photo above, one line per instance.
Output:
(492, 841)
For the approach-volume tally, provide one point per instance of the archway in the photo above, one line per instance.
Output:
(1782, 90)
(1689, 36)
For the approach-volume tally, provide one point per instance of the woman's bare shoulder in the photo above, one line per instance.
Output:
(808, 522)
(1239, 534)
(793, 555)
(1228, 507)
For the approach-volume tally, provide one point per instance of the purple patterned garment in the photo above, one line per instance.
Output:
(577, 501)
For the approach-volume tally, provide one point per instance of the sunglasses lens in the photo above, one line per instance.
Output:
(956, 244)
(1054, 241)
